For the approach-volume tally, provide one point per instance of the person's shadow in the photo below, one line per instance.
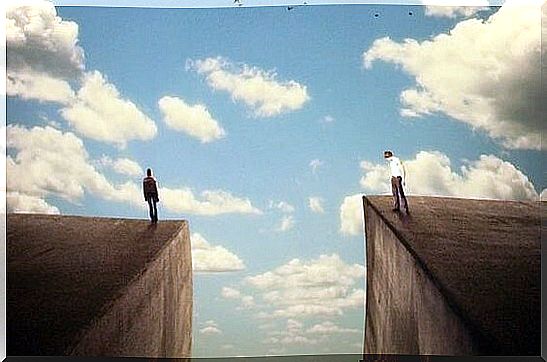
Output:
(404, 218)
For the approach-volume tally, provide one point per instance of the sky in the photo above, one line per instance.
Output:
(264, 126)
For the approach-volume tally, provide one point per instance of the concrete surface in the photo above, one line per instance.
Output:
(456, 277)
(98, 287)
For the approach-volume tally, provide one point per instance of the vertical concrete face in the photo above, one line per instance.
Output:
(406, 314)
(153, 317)
(98, 287)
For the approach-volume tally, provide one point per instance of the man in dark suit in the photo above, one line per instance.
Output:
(151, 194)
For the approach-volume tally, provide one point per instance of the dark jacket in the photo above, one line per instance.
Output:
(149, 188)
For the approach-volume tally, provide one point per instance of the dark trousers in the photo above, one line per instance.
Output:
(397, 189)
(153, 209)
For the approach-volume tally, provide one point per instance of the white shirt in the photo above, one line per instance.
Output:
(395, 166)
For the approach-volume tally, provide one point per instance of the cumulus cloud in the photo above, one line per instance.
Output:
(292, 335)
(351, 215)
(210, 328)
(21, 203)
(44, 62)
(99, 112)
(286, 223)
(215, 259)
(483, 73)
(42, 52)
(543, 195)
(38, 39)
(34, 85)
(260, 90)
(326, 286)
(230, 293)
(430, 173)
(327, 119)
(123, 166)
(194, 120)
(210, 202)
(464, 8)
(315, 165)
(246, 301)
(49, 162)
(329, 327)
(316, 204)
(283, 206)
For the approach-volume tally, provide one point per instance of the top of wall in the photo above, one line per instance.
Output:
(484, 256)
(65, 271)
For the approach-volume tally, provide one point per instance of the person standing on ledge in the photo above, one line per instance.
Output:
(151, 194)
(397, 180)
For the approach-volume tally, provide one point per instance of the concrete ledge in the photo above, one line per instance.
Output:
(98, 287)
(474, 260)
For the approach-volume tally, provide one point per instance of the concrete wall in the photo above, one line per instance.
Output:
(406, 313)
(153, 318)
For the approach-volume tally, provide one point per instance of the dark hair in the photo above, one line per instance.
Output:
(148, 172)
(388, 153)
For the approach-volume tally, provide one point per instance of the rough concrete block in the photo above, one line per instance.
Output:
(456, 277)
(98, 287)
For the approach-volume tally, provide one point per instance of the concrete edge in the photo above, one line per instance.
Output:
(121, 292)
(483, 340)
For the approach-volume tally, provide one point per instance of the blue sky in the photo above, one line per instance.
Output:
(294, 105)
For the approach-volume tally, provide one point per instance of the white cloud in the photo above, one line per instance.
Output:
(214, 202)
(42, 52)
(448, 9)
(327, 119)
(210, 328)
(293, 334)
(282, 205)
(543, 195)
(316, 204)
(43, 87)
(258, 89)
(123, 166)
(351, 215)
(483, 73)
(209, 258)
(99, 112)
(22, 203)
(194, 120)
(247, 301)
(287, 223)
(49, 162)
(315, 164)
(329, 327)
(430, 173)
(230, 293)
(321, 287)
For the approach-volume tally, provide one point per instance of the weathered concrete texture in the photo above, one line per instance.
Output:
(456, 277)
(98, 287)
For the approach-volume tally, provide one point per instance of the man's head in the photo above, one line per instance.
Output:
(148, 172)
(388, 154)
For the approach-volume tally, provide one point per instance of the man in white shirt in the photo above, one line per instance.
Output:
(397, 180)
